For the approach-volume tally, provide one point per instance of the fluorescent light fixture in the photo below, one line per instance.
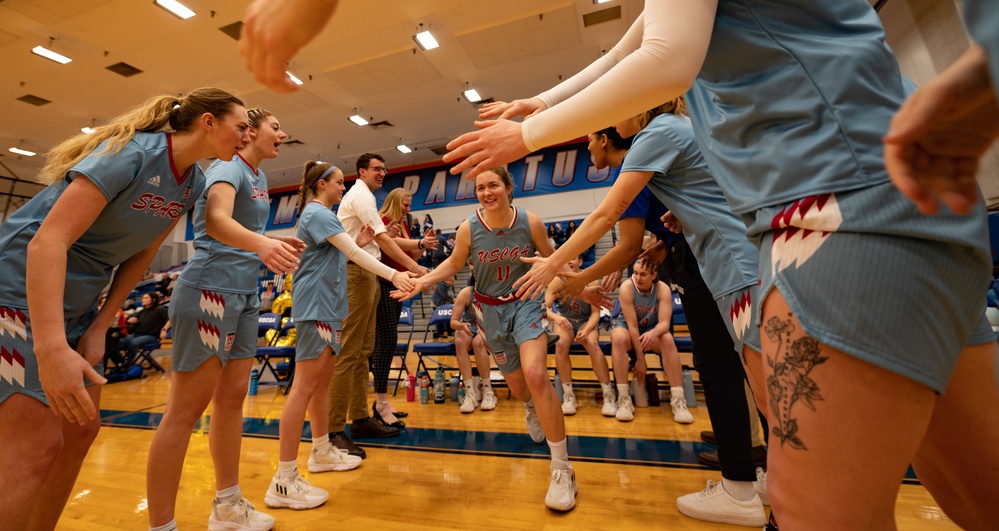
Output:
(426, 40)
(403, 148)
(87, 130)
(356, 118)
(176, 8)
(472, 95)
(294, 78)
(601, 1)
(24, 152)
(49, 54)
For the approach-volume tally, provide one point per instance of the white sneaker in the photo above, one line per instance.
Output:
(569, 405)
(680, 413)
(610, 405)
(625, 409)
(534, 425)
(468, 404)
(294, 493)
(488, 399)
(760, 485)
(238, 516)
(562, 490)
(714, 504)
(332, 458)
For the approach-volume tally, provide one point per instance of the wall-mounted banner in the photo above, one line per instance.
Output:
(552, 170)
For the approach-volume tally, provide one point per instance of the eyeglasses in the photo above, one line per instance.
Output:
(379, 169)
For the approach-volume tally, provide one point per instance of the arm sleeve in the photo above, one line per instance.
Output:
(355, 254)
(675, 38)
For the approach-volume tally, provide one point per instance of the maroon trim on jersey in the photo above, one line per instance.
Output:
(482, 220)
(255, 173)
(173, 167)
(495, 301)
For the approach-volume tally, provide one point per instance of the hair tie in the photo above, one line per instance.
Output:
(330, 170)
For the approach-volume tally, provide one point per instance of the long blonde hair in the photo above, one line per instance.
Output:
(677, 105)
(392, 208)
(158, 113)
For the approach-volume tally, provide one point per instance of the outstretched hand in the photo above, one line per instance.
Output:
(496, 142)
(279, 255)
(274, 31)
(936, 139)
(503, 110)
(653, 256)
(533, 282)
(404, 294)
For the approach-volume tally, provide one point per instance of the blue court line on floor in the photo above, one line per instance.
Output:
(619, 450)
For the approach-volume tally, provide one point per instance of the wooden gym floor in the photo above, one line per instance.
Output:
(445, 471)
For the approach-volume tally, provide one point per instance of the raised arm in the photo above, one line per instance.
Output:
(359, 256)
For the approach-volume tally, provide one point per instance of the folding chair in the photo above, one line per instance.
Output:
(402, 347)
(145, 357)
(441, 315)
(272, 321)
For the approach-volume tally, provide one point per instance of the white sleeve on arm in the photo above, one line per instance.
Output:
(631, 41)
(355, 254)
(675, 40)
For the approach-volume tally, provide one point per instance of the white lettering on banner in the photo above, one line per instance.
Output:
(565, 167)
(411, 184)
(286, 209)
(595, 175)
(466, 189)
(531, 175)
(438, 189)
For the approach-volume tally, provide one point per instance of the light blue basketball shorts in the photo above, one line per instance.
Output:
(18, 364)
(312, 337)
(740, 316)
(210, 323)
(505, 324)
(866, 273)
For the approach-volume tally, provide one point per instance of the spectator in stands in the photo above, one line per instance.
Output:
(215, 308)
(478, 390)
(148, 326)
(551, 235)
(571, 228)
(646, 312)
(73, 229)
(443, 294)
(116, 331)
(576, 321)
(560, 236)
(443, 249)
(267, 298)
(428, 223)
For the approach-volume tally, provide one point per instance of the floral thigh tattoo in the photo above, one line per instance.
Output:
(791, 382)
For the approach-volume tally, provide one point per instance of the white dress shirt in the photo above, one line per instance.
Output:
(358, 208)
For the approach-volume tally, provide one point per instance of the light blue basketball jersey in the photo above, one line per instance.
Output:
(215, 265)
(793, 99)
(145, 195)
(727, 259)
(320, 284)
(496, 252)
(646, 308)
(982, 20)
(577, 310)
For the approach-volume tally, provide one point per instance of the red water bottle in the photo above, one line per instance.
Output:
(411, 390)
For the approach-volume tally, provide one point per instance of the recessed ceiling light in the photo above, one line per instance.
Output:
(472, 95)
(356, 118)
(50, 55)
(403, 148)
(294, 78)
(24, 152)
(176, 8)
(87, 130)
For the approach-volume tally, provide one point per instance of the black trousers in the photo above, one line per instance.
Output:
(386, 335)
(719, 366)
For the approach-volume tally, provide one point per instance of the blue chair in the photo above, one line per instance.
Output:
(402, 347)
(266, 353)
(441, 315)
(145, 357)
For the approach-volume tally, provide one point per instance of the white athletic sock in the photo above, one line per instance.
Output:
(319, 443)
(608, 388)
(561, 453)
(567, 388)
(530, 403)
(169, 526)
(676, 392)
(229, 495)
(287, 469)
(623, 389)
(740, 490)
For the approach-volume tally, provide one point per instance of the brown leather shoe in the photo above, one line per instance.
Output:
(341, 441)
(369, 428)
(710, 458)
(708, 436)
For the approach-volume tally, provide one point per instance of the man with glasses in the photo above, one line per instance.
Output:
(348, 390)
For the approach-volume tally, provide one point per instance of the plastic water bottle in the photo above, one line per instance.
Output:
(688, 389)
(558, 388)
(411, 390)
(453, 387)
(461, 392)
(439, 391)
(652, 387)
(254, 381)
(424, 389)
